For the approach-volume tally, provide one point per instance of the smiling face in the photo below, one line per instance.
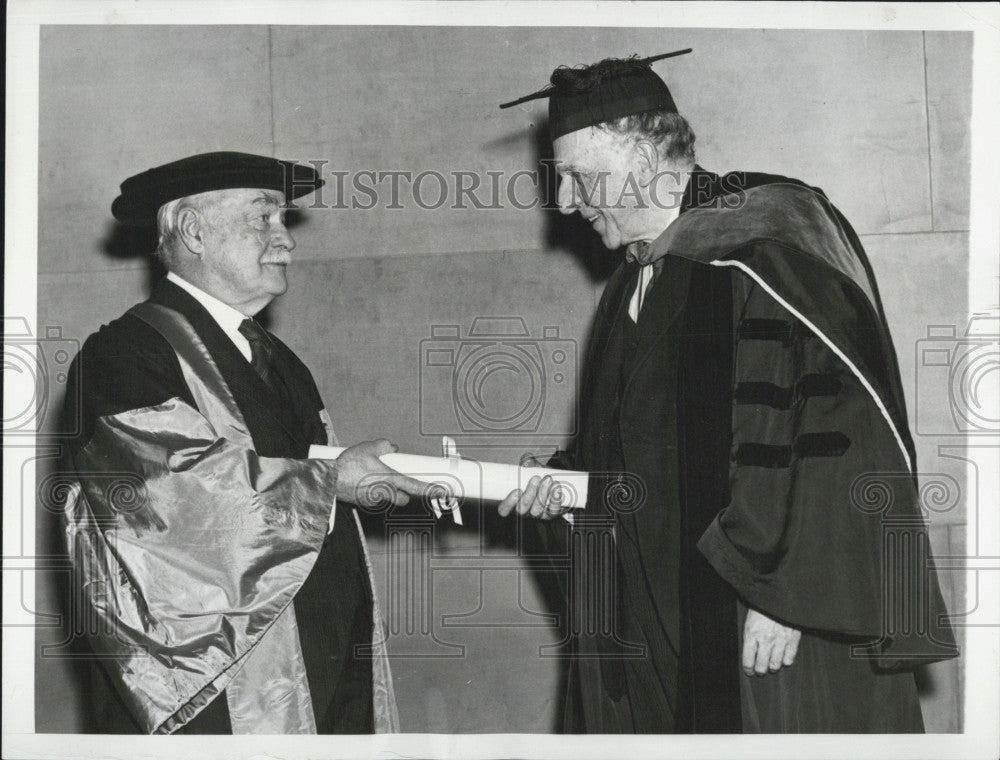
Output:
(245, 247)
(596, 178)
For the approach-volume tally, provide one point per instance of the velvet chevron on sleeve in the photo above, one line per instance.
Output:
(818, 415)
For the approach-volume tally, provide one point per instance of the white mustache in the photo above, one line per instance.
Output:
(281, 258)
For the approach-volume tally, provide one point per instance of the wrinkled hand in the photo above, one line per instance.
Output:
(365, 480)
(538, 498)
(767, 644)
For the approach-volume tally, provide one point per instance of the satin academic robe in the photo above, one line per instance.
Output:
(228, 524)
(757, 405)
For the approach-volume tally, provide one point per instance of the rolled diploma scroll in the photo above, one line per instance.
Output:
(470, 479)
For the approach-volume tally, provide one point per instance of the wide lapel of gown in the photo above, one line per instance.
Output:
(258, 403)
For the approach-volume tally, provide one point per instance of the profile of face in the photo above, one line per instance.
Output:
(597, 178)
(245, 247)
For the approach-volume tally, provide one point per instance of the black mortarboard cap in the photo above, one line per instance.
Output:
(142, 195)
(610, 90)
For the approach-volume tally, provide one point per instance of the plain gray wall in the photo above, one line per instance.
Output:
(879, 120)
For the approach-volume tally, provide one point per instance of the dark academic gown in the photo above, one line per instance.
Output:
(129, 369)
(749, 442)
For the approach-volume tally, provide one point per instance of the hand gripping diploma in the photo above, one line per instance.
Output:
(363, 479)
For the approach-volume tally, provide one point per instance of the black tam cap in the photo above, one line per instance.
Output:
(142, 195)
(590, 95)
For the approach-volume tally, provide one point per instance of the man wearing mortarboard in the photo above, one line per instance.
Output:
(221, 575)
(741, 370)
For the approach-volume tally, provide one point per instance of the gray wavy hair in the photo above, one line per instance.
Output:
(669, 131)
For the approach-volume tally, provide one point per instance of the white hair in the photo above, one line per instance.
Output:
(168, 218)
(166, 227)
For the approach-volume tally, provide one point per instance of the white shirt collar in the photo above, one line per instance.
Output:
(637, 251)
(228, 318)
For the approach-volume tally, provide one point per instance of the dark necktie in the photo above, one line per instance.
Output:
(261, 350)
(658, 268)
(656, 271)
(265, 362)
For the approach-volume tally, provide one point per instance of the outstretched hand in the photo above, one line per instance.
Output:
(539, 498)
(767, 644)
(365, 480)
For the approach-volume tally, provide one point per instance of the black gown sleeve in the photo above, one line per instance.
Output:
(125, 365)
(791, 540)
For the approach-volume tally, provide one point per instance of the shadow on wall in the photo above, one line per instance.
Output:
(563, 232)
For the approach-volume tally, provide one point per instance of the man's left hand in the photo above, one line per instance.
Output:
(767, 644)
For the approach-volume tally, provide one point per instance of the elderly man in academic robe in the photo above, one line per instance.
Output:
(222, 576)
(742, 382)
